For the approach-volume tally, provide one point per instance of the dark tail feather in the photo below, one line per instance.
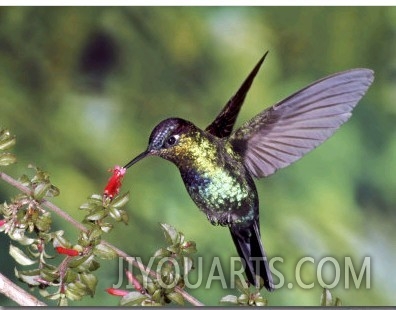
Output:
(248, 244)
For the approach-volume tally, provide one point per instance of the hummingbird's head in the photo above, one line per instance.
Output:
(169, 139)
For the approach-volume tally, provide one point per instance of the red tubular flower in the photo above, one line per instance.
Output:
(132, 280)
(66, 251)
(114, 184)
(116, 292)
(2, 222)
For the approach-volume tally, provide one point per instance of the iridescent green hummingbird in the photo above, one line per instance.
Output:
(217, 165)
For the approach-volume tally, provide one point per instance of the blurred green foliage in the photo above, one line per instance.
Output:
(82, 88)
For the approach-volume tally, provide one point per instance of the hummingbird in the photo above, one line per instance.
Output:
(217, 165)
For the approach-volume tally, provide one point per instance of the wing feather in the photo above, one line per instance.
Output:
(222, 126)
(285, 132)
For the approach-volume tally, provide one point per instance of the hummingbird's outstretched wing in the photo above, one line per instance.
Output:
(222, 126)
(283, 133)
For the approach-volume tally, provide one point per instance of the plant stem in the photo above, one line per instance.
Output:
(17, 294)
(52, 207)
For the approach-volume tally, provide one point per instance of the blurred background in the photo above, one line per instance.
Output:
(82, 89)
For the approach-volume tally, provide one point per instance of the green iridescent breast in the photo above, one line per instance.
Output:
(218, 182)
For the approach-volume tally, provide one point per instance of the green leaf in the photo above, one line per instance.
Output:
(156, 296)
(7, 143)
(78, 285)
(120, 201)
(77, 261)
(229, 299)
(243, 299)
(326, 299)
(187, 265)
(43, 222)
(25, 180)
(20, 257)
(162, 253)
(171, 234)
(29, 276)
(19, 235)
(33, 251)
(46, 236)
(242, 286)
(59, 240)
(176, 297)
(94, 234)
(49, 275)
(90, 281)
(106, 227)
(48, 266)
(40, 176)
(7, 159)
(53, 191)
(189, 247)
(149, 284)
(89, 264)
(6, 140)
(70, 276)
(174, 248)
(96, 199)
(150, 303)
(96, 216)
(41, 190)
(132, 299)
(63, 302)
(104, 252)
(115, 213)
(86, 206)
(54, 296)
(44, 292)
(260, 301)
(124, 217)
(73, 292)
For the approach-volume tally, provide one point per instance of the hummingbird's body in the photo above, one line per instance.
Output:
(214, 176)
(220, 185)
(217, 165)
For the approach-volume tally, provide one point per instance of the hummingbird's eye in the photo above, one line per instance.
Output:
(171, 141)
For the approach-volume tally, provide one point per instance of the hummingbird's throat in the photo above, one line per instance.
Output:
(194, 151)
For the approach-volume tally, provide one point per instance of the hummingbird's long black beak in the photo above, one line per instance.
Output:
(137, 158)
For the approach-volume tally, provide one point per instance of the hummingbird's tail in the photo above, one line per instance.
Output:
(248, 244)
